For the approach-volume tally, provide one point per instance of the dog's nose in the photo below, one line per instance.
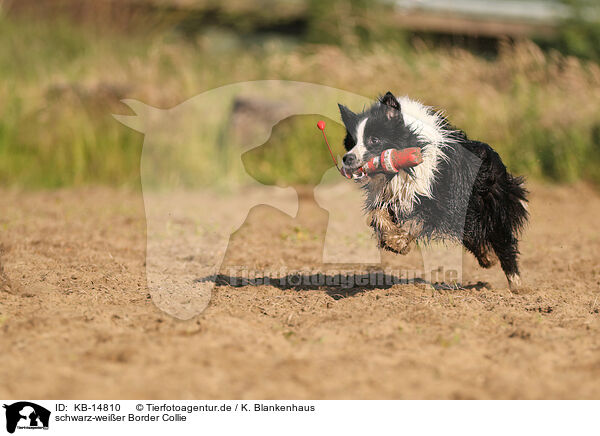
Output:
(349, 159)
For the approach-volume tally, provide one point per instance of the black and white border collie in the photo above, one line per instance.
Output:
(462, 190)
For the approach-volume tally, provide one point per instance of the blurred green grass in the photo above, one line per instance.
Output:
(296, 152)
(60, 82)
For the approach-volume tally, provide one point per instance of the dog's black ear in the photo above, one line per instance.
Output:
(349, 118)
(393, 109)
(389, 100)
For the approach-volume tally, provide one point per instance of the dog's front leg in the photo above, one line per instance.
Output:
(394, 237)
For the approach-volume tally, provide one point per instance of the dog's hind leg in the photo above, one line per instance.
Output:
(507, 252)
(483, 253)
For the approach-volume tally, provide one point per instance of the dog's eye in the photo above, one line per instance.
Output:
(373, 140)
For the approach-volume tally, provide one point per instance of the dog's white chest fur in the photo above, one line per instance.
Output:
(403, 190)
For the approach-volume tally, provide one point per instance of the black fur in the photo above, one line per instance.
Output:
(474, 200)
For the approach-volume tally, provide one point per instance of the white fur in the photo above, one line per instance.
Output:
(514, 281)
(359, 149)
(524, 204)
(427, 125)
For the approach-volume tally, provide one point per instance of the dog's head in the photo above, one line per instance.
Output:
(376, 129)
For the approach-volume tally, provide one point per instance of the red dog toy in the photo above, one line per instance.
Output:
(390, 160)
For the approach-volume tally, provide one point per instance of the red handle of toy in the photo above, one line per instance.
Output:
(392, 161)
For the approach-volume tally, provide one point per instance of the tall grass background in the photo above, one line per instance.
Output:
(61, 79)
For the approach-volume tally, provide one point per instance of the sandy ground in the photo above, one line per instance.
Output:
(77, 319)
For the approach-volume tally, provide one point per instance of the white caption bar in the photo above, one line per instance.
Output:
(22, 417)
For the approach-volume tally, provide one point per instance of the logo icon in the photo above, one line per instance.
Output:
(26, 415)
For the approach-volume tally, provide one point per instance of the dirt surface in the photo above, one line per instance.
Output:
(77, 320)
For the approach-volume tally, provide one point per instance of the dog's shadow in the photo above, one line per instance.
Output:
(337, 286)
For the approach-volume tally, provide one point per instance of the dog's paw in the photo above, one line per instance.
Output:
(515, 284)
(487, 260)
(396, 243)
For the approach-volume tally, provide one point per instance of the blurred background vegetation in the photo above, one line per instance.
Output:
(527, 84)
